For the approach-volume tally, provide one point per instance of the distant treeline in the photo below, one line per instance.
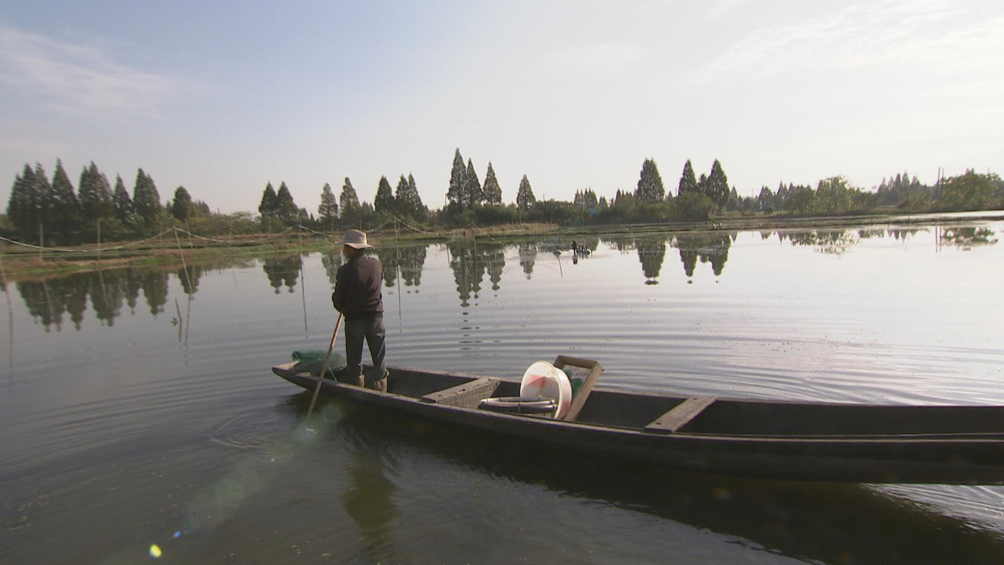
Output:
(41, 211)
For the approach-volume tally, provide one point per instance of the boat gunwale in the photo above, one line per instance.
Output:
(855, 439)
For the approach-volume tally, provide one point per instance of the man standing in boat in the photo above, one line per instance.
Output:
(358, 297)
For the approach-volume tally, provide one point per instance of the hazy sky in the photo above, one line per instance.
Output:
(222, 97)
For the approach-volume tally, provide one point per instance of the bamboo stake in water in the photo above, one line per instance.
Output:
(10, 312)
(324, 366)
(187, 278)
(182, 254)
(303, 278)
(180, 319)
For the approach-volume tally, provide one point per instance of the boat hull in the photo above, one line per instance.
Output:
(910, 451)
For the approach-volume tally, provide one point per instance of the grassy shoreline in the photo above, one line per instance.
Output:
(22, 263)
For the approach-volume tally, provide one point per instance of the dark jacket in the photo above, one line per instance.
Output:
(357, 288)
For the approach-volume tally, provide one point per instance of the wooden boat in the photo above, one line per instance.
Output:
(794, 441)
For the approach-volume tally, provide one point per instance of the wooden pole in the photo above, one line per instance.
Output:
(303, 282)
(10, 315)
(99, 239)
(41, 243)
(181, 321)
(324, 366)
(183, 266)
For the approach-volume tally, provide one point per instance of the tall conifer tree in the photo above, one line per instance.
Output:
(349, 202)
(688, 182)
(146, 199)
(473, 186)
(181, 208)
(22, 208)
(95, 195)
(456, 194)
(286, 208)
(383, 202)
(717, 187)
(268, 208)
(42, 196)
(650, 188)
(63, 208)
(408, 201)
(492, 190)
(121, 201)
(328, 210)
(524, 197)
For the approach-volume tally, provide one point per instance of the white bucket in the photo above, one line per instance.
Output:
(543, 380)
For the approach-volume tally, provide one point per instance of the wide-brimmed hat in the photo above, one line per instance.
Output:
(355, 239)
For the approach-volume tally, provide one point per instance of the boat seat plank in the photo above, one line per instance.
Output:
(466, 395)
(587, 386)
(680, 415)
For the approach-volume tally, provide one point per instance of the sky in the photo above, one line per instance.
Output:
(223, 97)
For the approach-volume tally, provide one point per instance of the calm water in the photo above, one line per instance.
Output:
(137, 407)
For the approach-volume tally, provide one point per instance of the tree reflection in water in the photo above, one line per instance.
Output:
(48, 301)
(388, 257)
(51, 301)
(711, 247)
(282, 271)
(651, 253)
(405, 262)
(966, 238)
(332, 261)
(468, 269)
(411, 263)
(527, 257)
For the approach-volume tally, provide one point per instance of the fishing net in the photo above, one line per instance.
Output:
(311, 361)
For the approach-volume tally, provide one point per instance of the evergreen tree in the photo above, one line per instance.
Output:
(688, 182)
(650, 188)
(328, 210)
(349, 202)
(455, 195)
(21, 207)
(524, 197)
(121, 202)
(765, 201)
(269, 206)
(182, 208)
(42, 195)
(734, 202)
(413, 193)
(383, 202)
(585, 199)
(407, 199)
(781, 197)
(146, 199)
(717, 187)
(473, 190)
(285, 208)
(491, 189)
(94, 194)
(63, 208)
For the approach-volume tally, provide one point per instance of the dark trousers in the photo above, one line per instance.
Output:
(371, 329)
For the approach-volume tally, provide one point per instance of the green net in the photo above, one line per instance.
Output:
(311, 361)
